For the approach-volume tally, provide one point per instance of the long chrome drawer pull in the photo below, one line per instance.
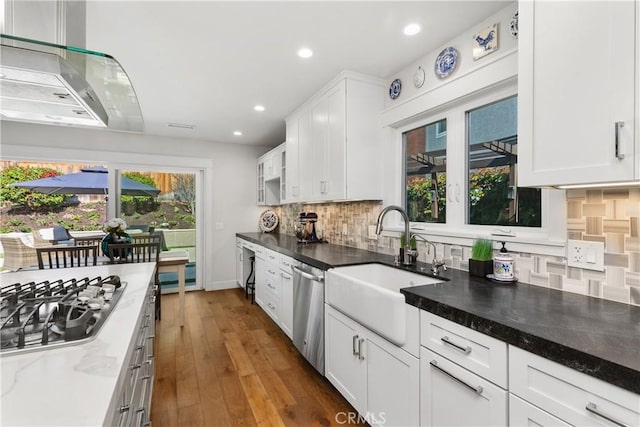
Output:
(307, 275)
(477, 389)
(360, 355)
(465, 350)
(619, 155)
(593, 408)
(355, 339)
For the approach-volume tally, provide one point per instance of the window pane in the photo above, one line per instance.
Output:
(425, 151)
(494, 196)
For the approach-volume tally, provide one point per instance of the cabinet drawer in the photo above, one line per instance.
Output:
(272, 306)
(286, 263)
(472, 350)
(272, 279)
(572, 396)
(260, 251)
(453, 396)
(273, 286)
(272, 257)
(522, 413)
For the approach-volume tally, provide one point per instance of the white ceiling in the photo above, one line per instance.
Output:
(208, 63)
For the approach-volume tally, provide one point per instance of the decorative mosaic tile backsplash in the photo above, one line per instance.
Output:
(611, 216)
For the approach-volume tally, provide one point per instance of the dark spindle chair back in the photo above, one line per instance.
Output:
(134, 252)
(67, 256)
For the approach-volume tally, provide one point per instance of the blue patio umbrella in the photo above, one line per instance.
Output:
(87, 181)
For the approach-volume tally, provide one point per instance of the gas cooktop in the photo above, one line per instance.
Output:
(48, 314)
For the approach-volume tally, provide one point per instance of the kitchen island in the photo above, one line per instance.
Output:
(597, 337)
(76, 384)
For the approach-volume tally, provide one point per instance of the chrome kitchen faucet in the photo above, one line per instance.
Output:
(408, 252)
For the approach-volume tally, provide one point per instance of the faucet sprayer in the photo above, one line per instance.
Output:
(435, 264)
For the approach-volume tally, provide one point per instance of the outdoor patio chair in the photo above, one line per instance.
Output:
(67, 256)
(20, 251)
(57, 235)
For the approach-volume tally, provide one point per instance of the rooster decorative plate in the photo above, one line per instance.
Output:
(395, 88)
(268, 221)
(513, 25)
(446, 62)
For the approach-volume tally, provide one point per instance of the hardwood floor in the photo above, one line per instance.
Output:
(231, 365)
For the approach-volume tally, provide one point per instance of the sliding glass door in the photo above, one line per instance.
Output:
(163, 202)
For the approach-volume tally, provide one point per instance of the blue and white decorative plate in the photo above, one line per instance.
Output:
(395, 88)
(446, 62)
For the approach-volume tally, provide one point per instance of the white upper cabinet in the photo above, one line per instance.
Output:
(269, 169)
(578, 90)
(296, 131)
(339, 137)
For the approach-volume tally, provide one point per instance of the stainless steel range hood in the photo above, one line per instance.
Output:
(54, 84)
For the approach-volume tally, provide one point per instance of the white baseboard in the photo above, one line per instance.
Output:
(225, 284)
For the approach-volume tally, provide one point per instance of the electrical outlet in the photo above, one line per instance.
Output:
(585, 254)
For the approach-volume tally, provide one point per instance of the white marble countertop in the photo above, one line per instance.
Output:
(73, 385)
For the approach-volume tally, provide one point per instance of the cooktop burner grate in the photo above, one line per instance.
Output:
(36, 316)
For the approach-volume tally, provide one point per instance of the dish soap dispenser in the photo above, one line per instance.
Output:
(503, 265)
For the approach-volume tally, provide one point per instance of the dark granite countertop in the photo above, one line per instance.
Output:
(320, 255)
(597, 337)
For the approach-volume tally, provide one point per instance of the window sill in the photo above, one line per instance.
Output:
(521, 242)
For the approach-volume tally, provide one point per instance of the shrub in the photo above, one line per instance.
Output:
(144, 203)
(23, 197)
(93, 215)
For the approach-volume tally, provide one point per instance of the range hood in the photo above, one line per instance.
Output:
(49, 83)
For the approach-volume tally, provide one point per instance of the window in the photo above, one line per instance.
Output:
(426, 172)
(492, 153)
(460, 169)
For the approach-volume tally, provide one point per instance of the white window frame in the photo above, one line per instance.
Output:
(549, 239)
(439, 132)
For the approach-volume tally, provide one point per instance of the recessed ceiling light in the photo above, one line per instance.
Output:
(412, 29)
(305, 52)
(237, 133)
(259, 108)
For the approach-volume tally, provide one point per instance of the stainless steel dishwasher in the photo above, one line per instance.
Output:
(308, 313)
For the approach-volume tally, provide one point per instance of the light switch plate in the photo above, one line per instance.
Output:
(585, 254)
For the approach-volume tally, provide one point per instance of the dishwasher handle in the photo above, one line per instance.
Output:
(307, 275)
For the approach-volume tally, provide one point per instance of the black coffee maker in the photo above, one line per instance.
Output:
(305, 228)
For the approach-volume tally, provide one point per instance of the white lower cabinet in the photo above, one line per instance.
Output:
(569, 395)
(454, 396)
(522, 413)
(463, 375)
(379, 379)
(260, 276)
(274, 287)
(286, 300)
